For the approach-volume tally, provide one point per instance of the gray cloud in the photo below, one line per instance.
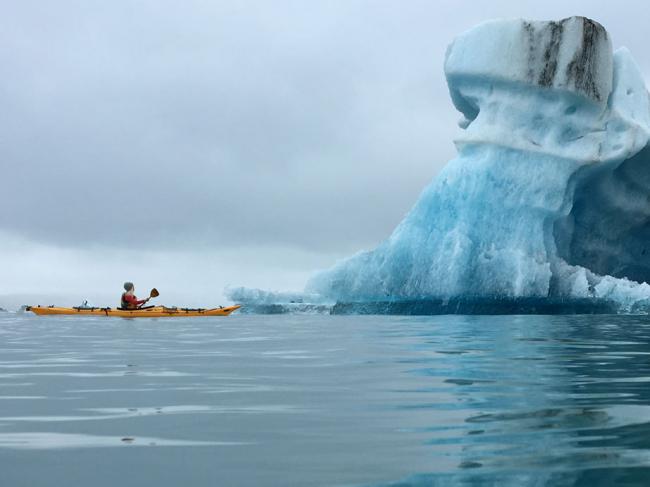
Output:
(166, 125)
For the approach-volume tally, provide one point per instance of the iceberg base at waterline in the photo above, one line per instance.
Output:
(276, 303)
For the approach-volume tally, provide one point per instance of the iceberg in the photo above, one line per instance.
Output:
(546, 208)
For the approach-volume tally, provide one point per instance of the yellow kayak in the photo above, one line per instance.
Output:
(148, 312)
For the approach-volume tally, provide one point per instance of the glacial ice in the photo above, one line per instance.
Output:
(548, 200)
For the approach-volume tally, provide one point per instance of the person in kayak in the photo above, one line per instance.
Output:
(129, 300)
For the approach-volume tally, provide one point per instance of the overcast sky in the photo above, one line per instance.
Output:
(191, 145)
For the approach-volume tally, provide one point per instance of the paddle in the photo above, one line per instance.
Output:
(153, 294)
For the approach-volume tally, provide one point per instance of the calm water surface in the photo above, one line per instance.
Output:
(325, 400)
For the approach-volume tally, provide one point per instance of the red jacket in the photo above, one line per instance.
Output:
(130, 301)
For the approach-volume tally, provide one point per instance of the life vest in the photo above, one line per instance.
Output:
(124, 303)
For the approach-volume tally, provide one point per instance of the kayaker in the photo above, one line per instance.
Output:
(129, 300)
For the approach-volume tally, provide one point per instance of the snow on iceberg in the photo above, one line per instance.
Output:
(548, 200)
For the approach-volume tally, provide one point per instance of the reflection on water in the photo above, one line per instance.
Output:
(37, 441)
(320, 400)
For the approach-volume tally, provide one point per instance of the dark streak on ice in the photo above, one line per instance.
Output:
(530, 32)
(582, 69)
(581, 72)
(547, 75)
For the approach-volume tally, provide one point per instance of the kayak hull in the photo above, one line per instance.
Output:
(152, 312)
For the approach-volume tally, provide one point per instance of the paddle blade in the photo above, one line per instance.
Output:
(154, 293)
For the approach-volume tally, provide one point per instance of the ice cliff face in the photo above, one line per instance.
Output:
(549, 196)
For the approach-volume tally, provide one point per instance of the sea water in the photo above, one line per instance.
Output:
(325, 401)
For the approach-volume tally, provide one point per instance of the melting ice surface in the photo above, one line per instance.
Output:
(548, 200)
